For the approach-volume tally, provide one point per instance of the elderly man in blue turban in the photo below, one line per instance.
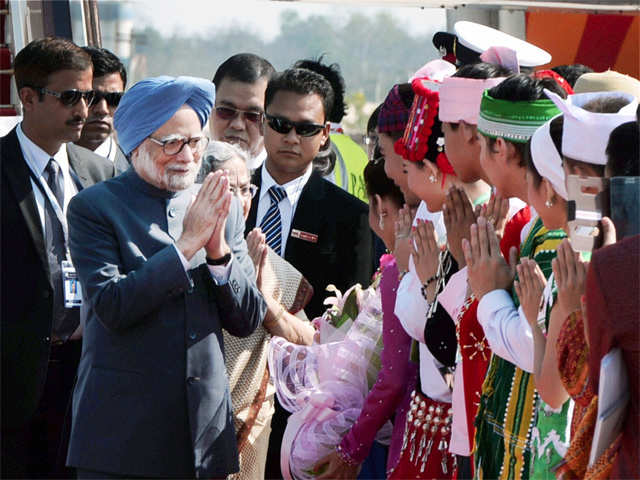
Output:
(163, 268)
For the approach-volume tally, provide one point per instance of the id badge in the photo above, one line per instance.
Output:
(72, 289)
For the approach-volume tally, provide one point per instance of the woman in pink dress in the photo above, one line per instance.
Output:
(397, 376)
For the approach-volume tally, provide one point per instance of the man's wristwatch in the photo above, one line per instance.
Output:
(219, 261)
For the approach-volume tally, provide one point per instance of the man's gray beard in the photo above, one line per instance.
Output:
(177, 182)
(146, 168)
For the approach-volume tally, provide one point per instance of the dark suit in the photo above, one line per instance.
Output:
(121, 162)
(152, 397)
(342, 256)
(27, 293)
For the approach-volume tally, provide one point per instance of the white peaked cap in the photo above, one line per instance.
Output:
(480, 38)
(585, 134)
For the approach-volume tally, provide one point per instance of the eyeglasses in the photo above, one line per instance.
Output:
(112, 98)
(69, 97)
(245, 190)
(229, 113)
(284, 126)
(174, 145)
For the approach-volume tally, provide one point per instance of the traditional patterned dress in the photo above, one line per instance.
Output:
(507, 411)
(473, 348)
(396, 380)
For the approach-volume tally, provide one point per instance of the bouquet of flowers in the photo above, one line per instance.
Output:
(324, 385)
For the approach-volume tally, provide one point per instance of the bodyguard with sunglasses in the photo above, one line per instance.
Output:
(316, 226)
(40, 324)
(237, 116)
(109, 81)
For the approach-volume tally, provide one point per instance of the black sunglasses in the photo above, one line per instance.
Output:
(229, 113)
(284, 126)
(112, 98)
(69, 97)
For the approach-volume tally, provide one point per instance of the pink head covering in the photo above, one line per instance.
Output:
(460, 98)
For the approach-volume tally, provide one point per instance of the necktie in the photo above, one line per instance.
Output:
(53, 180)
(64, 322)
(271, 223)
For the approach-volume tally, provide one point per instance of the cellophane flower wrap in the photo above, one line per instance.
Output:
(324, 385)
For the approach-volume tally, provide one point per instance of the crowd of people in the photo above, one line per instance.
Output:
(170, 252)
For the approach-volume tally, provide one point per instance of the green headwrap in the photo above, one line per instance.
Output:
(514, 121)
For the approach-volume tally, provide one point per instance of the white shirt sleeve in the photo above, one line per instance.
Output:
(506, 329)
(411, 307)
(454, 294)
(220, 273)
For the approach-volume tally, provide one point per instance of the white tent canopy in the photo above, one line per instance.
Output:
(611, 6)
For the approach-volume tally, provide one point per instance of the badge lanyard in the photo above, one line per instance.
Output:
(51, 198)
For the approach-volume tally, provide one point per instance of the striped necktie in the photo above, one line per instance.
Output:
(271, 223)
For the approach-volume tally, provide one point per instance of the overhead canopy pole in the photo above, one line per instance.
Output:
(92, 22)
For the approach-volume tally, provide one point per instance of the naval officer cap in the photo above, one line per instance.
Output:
(151, 102)
(481, 38)
(452, 51)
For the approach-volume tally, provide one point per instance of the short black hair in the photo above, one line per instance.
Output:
(243, 67)
(43, 57)
(334, 77)
(623, 151)
(377, 183)
(571, 73)
(523, 88)
(302, 82)
(606, 104)
(482, 71)
(106, 62)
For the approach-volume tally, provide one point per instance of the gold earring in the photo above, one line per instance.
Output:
(548, 204)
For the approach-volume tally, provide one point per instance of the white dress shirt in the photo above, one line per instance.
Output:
(287, 205)
(411, 309)
(452, 299)
(107, 149)
(37, 160)
(506, 328)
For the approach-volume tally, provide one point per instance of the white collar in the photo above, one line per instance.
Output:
(37, 158)
(293, 188)
(106, 149)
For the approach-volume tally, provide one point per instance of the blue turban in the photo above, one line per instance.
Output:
(150, 103)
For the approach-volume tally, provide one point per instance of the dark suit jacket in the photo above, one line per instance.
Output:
(27, 293)
(343, 254)
(152, 397)
(121, 162)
